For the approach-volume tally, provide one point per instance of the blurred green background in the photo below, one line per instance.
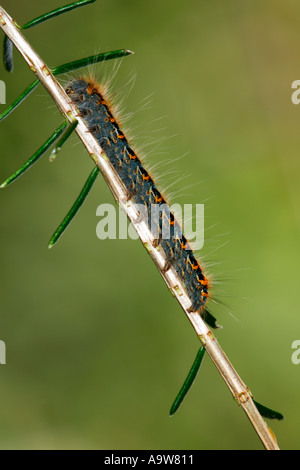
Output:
(96, 346)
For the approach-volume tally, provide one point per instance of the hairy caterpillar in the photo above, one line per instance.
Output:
(96, 112)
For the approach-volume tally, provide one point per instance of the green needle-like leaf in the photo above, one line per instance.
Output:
(267, 412)
(8, 45)
(56, 12)
(63, 139)
(19, 100)
(36, 156)
(94, 59)
(8, 54)
(188, 381)
(63, 69)
(68, 67)
(75, 208)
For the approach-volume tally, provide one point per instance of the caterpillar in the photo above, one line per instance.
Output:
(141, 189)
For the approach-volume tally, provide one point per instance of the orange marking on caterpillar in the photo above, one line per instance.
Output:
(90, 90)
(204, 282)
